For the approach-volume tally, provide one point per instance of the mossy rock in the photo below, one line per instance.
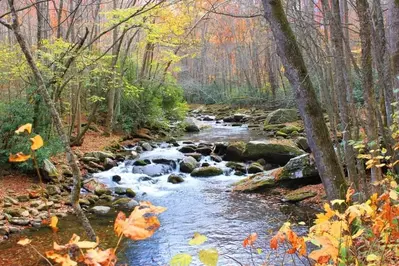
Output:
(188, 164)
(280, 116)
(299, 167)
(290, 129)
(297, 196)
(236, 166)
(141, 162)
(130, 193)
(256, 182)
(273, 127)
(281, 134)
(234, 151)
(277, 152)
(207, 171)
(255, 168)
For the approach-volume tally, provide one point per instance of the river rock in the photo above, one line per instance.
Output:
(43, 206)
(207, 171)
(146, 146)
(281, 134)
(153, 169)
(280, 116)
(92, 198)
(255, 168)
(125, 202)
(190, 125)
(278, 152)
(14, 212)
(109, 163)
(100, 190)
(100, 155)
(19, 221)
(92, 184)
(53, 190)
(240, 167)
(256, 182)
(197, 156)
(130, 193)
(49, 171)
(216, 158)
(90, 159)
(84, 201)
(116, 178)
(290, 128)
(235, 151)
(4, 230)
(10, 200)
(23, 198)
(141, 162)
(303, 144)
(204, 150)
(220, 148)
(120, 190)
(188, 149)
(188, 164)
(101, 210)
(297, 196)
(175, 179)
(299, 167)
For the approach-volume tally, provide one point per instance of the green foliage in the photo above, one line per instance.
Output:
(12, 115)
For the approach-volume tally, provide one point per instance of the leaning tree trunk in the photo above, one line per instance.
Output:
(309, 107)
(15, 27)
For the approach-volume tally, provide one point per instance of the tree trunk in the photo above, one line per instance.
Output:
(56, 119)
(393, 25)
(309, 108)
(367, 82)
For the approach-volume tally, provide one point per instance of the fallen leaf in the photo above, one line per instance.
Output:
(97, 257)
(24, 242)
(53, 223)
(393, 194)
(198, 239)
(181, 260)
(64, 260)
(209, 257)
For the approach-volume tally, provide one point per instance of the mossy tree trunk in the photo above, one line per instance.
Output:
(309, 107)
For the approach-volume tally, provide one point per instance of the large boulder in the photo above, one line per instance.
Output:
(255, 168)
(257, 182)
(235, 151)
(282, 116)
(302, 166)
(188, 164)
(207, 171)
(277, 152)
(191, 125)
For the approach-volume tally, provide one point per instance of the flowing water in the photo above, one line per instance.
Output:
(204, 205)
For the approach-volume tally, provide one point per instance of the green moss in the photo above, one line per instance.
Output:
(207, 171)
(277, 127)
(299, 196)
(281, 134)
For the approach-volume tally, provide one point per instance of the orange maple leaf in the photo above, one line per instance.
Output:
(250, 240)
(97, 257)
(18, 158)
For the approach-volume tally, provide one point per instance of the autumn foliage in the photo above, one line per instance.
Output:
(141, 224)
(363, 234)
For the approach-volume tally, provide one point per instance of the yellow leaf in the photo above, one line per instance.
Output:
(358, 233)
(26, 127)
(181, 260)
(198, 239)
(393, 195)
(53, 223)
(24, 242)
(63, 260)
(37, 142)
(383, 151)
(372, 257)
(394, 184)
(302, 223)
(18, 158)
(209, 257)
(100, 257)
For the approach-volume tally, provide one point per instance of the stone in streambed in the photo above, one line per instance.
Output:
(175, 179)
(298, 196)
(101, 210)
(255, 168)
(188, 164)
(207, 171)
(235, 151)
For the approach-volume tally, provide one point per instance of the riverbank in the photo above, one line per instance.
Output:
(146, 167)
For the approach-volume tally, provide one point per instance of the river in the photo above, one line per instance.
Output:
(204, 205)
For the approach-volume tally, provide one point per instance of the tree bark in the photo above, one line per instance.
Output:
(309, 108)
